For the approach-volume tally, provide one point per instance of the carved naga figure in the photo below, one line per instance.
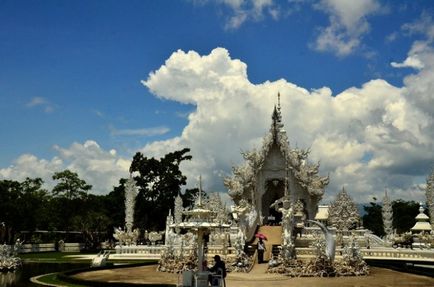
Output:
(330, 241)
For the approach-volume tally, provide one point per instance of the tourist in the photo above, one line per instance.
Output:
(219, 268)
(261, 249)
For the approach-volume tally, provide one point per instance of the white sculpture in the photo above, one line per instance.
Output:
(128, 236)
(240, 242)
(100, 259)
(343, 213)
(330, 241)
(9, 260)
(178, 209)
(387, 214)
(287, 219)
(155, 236)
(130, 201)
(247, 215)
(429, 192)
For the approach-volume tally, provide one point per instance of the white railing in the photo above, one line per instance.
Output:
(37, 247)
(220, 250)
(145, 251)
(375, 240)
(50, 247)
(380, 253)
(399, 254)
(155, 251)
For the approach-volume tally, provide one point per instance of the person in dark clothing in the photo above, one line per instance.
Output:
(219, 268)
(261, 249)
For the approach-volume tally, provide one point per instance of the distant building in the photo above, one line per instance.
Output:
(323, 214)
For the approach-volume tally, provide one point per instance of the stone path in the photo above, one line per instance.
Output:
(258, 278)
(274, 237)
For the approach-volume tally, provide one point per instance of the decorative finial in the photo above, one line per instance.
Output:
(200, 190)
(279, 114)
(278, 100)
(286, 183)
(421, 207)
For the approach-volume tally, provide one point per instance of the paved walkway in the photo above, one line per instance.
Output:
(379, 277)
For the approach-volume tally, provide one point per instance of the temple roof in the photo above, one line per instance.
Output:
(323, 212)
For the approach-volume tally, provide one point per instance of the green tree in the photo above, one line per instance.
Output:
(9, 209)
(70, 194)
(114, 203)
(190, 195)
(93, 226)
(22, 205)
(159, 182)
(373, 219)
(404, 214)
(33, 201)
(70, 185)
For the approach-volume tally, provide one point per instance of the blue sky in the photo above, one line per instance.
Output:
(71, 93)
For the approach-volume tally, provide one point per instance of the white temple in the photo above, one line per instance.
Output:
(269, 174)
(276, 192)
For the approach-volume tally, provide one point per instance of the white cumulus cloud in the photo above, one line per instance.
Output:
(366, 137)
(146, 132)
(241, 11)
(40, 102)
(102, 169)
(348, 24)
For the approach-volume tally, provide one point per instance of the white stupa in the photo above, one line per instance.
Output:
(422, 222)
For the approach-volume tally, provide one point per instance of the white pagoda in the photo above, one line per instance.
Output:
(422, 222)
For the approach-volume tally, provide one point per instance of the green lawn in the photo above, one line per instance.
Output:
(63, 257)
(51, 257)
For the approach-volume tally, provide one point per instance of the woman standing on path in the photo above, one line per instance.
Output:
(261, 249)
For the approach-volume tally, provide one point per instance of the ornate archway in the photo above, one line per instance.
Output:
(274, 189)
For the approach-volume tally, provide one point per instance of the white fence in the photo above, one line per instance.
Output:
(155, 251)
(138, 251)
(50, 247)
(380, 253)
(398, 254)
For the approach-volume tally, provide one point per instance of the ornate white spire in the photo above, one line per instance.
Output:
(200, 191)
(387, 214)
(429, 192)
(343, 212)
(178, 209)
(278, 105)
(130, 201)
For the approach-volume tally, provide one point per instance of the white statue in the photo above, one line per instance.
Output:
(240, 241)
(330, 241)
(243, 210)
(287, 215)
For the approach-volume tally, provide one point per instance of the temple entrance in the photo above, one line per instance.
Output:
(274, 189)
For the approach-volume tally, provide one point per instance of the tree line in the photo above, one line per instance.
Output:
(404, 214)
(70, 205)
